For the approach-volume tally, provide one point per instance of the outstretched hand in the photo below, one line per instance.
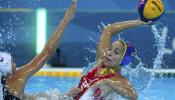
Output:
(146, 23)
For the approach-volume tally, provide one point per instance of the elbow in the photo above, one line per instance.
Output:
(107, 30)
(113, 29)
(110, 30)
(132, 95)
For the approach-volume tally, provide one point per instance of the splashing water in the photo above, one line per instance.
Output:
(7, 38)
(140, 76)
(1, 88)
(51, 94)
(159, 32)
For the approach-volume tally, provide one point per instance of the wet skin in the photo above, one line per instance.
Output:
(16, 81)
(109, 55)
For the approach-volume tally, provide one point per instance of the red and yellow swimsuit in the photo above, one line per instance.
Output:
(90, 79)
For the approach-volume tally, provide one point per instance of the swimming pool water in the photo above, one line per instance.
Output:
(161, 89)
(41, 84)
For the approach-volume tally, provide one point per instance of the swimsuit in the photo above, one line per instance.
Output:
(90, 79)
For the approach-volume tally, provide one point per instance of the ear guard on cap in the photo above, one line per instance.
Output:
(5, 63)
(129, 52)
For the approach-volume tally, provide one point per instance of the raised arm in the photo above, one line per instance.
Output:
(36, 63)
(109, 31)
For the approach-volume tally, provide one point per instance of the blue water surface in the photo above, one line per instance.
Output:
(161, 88)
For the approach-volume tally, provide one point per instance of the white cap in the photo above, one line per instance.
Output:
(5, 63)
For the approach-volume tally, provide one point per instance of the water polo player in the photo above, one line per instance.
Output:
(13, 81)
(105, 77)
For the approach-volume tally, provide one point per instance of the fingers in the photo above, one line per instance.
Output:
(146, 23)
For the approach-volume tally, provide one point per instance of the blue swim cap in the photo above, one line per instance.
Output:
(130, 51)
